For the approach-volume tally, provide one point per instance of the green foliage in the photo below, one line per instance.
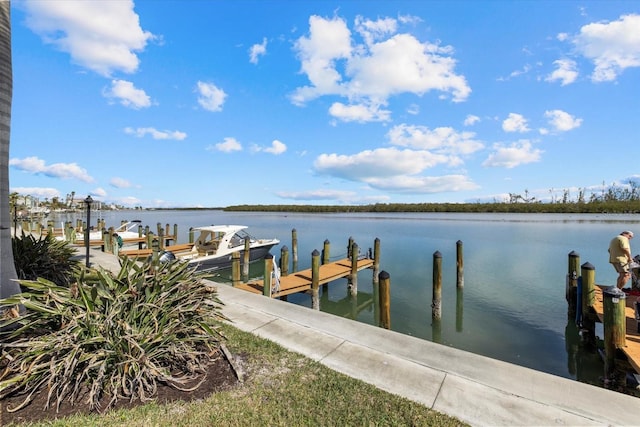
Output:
(44, 257)
(111, 336)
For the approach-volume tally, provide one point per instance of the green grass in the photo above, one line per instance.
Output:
(280, 388)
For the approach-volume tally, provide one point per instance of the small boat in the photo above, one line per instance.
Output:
(127, 230)
(215, 245)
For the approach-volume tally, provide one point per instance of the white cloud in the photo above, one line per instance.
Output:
(227, 146)
(611, 46)
(381, 162)
(359, 113)
(127, 94)
(118, 182)
(515, 123)
(471, 120)
(444, 140)
(101, 36)
(565, 72)
(41, 192)
(277, 147)
(155, 134)
(513, 155)
(385, 64)
(257, 50)
(37, 166)
(424, 184)
(317, 195)
(99, 192)
(562, 121)
(210, 97)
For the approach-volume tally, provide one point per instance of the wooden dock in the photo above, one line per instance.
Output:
(632, 348)
(300, 281)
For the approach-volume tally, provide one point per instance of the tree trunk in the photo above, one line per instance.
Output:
(8, 284)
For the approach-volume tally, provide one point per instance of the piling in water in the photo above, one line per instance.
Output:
(384, 281)
(436, 300)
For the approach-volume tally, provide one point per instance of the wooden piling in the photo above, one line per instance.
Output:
(436, 300)
(315, 279)
(161, 239)
(353, 277)
(349, 245)
(326, 251)
(294, 248)
(588, 276)
(284, 261)
(385, 299)
(268, 269)
(376, 260)
(571, 291)
(191, 236)
(615, 331)
(235, 269)
(247, 255)
(459, 265)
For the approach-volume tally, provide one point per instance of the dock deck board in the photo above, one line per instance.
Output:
(632, 348)
(300, 281)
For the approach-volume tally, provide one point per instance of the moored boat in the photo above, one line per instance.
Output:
(215, 245)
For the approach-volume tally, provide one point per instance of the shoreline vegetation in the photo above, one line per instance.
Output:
(597, 207)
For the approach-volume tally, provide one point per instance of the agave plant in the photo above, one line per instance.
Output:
(111, 337)
(44, 257)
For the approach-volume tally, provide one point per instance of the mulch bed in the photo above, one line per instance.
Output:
(220, 376)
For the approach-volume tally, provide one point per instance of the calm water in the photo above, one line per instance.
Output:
(513, 306)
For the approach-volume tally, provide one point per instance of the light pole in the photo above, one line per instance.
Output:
(88, 201)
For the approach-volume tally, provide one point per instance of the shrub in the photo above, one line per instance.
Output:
(110, 337)
(44, 257)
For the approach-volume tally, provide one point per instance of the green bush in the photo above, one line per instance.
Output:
(111, 336)
(44, 257)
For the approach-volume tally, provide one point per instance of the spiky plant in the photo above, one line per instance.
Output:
(116, 337)
(44, 257)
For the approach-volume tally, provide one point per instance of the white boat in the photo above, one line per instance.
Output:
(127, 230)
(215, 245)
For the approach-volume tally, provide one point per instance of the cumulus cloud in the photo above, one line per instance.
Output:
(562, 121)
(127, 94)
(515, 123)
(118, 182)
(257, 50)
(101, 36)
(155, 134)
(444, 140)
(370, 69)
(512, 155)
(611, 46)
(277, 147)
(41, 192)
(228, 145)
(471, 120)
(37, 166)
(210, 97)
(565, 72)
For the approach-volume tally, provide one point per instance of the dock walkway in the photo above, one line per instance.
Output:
(301, 281)
(632, 348)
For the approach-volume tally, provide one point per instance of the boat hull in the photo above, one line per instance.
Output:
(218, 262)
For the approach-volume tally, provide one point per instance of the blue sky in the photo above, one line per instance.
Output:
(216, 103)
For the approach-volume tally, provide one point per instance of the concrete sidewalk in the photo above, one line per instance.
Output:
(476, 389)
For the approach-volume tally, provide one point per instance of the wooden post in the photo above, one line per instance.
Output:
(284, 261)
(175, 233)
(191, 237)
(615, 331)
(588, 275)
(159, 228)
(247, 256)
(294, 249)
(376, 260)
(268, 269)
(155, 249)
(459, 309)
(349, 245)
(459, 265)
(140, 235)
(161, 237)
(235, 269)
(353, 277)
(571, 291)
(385, 299)
(436, 300)
(315, 279)
(326, 252)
